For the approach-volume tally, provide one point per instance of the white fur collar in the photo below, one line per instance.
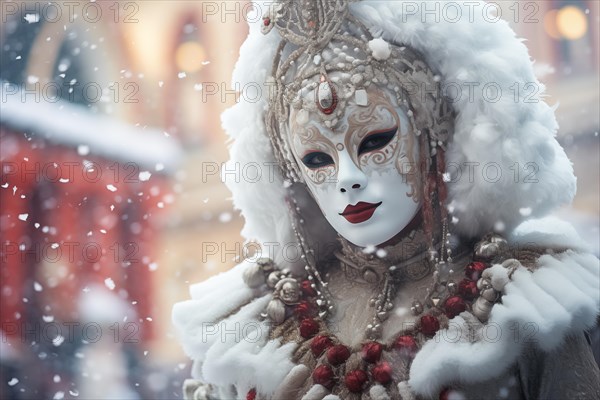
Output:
(220, 331)
(560, 297)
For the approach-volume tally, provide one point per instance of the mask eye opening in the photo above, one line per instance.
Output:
(377, 140)
(316, 159)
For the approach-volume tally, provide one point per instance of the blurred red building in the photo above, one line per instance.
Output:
(81, 198)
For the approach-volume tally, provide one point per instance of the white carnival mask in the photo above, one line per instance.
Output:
(362, 172)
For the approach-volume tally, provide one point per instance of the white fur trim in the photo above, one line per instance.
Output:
(233, 350)
(498, 275)
(560, 297)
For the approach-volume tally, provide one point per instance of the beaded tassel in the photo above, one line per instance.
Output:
(320, 286)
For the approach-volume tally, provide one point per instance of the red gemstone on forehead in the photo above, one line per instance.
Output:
(429, 325)
(356, 380)
(468, 289)
(474, 270)
(323, 375)
(454, 306)
(267, 21)
(319, 344)
(371, 352)
(338, 354)
(406, 344)
(326, 97)
(382, 372)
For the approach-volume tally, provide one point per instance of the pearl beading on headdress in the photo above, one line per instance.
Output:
(327, 51)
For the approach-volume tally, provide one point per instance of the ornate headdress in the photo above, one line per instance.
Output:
(331, 53)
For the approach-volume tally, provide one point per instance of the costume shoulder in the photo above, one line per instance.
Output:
(221, 330)
(549, 292)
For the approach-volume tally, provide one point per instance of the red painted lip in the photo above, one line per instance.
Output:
(360, 212)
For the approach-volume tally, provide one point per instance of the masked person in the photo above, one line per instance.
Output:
(406, 260)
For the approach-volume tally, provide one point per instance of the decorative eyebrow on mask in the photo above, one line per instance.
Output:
(384, 119)
(311, 138)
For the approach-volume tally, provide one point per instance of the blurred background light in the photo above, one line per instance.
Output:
(571, 22)
(190, 56)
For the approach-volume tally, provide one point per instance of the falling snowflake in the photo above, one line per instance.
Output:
(499, 226)
(525, 211)
(225, 217)
(144, 176)
(83, 150)
(57, 341)
(369, 249)
(381, 253)
(32, 18)
(109, 283)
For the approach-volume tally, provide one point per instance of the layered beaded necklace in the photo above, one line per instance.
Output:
(300, 308)
(351, 371)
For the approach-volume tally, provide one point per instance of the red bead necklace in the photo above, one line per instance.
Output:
(374, 370)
